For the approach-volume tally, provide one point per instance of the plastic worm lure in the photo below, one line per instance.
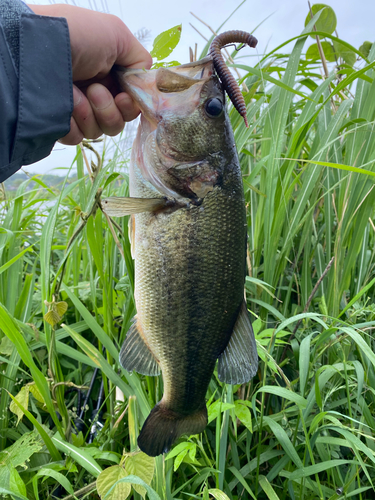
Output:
(226, 77)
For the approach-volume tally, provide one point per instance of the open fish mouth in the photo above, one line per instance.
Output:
(159, 90)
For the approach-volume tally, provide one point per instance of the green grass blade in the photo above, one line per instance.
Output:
(83, 458)
(267, 488)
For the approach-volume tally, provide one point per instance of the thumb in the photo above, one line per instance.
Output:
(130, 52)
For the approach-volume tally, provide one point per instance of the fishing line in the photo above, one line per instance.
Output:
(236, 47)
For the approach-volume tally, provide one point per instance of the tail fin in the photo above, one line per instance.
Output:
(164, 426)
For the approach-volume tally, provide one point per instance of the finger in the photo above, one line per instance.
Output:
(127, 107)
(84, 115)
(130, 52)
(75, 135)
(106, 112)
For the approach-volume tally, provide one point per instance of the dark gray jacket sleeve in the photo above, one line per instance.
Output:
(36, 100)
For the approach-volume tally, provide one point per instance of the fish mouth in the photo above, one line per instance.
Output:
(156, 91)
(166, 97)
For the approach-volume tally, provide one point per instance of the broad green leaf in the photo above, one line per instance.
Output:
(216, 408)
(52, 318)
(36, 393)
(185, 446)
(179, 459)
(42, 432)
(15, 482)
(61, 308)
(56, 312)
(314, 54)
(152, 495)
(23, 398)
(348, 55)
(243, 414)
(327, 21)
(20, 452)
(107, 481)
(6, 346)
(141, 465)
(166, 42)
(12, 494)
(168, 64)
(365, 48)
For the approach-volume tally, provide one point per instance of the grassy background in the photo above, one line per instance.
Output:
(304, 428)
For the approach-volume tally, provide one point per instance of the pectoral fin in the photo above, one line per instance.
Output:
(136, 355)
(239, 362)
(119, 207)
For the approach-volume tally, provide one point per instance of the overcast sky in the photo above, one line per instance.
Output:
(355, 24)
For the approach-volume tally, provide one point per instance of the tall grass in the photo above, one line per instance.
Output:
(304, 428)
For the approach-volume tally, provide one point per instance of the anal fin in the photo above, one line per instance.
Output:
(136, 355)
(239, 362)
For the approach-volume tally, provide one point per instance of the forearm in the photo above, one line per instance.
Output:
(36, 94)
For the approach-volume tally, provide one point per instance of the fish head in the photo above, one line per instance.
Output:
(183, 135)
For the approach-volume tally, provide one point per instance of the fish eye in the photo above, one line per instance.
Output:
(214, 107)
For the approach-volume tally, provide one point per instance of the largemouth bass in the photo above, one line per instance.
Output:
(188, 233)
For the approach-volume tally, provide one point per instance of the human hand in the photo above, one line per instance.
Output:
(98, 41)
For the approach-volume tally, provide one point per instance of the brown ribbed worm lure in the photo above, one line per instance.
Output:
(226, 77)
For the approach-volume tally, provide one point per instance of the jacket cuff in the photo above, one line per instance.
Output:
(45, 87)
